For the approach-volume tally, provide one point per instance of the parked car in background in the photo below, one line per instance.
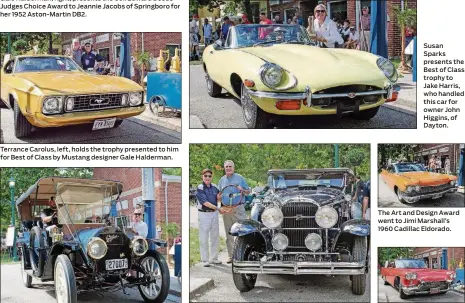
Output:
(80, 256)
(302, 226)
(411, 182)
(277, 70)
(413, 277)
(53, 91)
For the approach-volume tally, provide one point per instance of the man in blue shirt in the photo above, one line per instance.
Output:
(234, 214)
(207, 195)
(225, 28)
(89, 57)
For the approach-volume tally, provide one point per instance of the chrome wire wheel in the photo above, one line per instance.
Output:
(209, 83)
(152, 268)
(248, 106)
(61, 286)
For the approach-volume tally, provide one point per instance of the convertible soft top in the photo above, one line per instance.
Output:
(45, 187)
(310, 171)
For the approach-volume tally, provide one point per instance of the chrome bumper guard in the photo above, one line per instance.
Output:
(299, 268)
(309, 96)
(415, 290)
(413, 199)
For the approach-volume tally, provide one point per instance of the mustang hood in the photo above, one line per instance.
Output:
(319, 67)
(426, 178)
(78, 82)
(321, 197)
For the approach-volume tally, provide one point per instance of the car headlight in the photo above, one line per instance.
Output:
(124, 100)
(52, 105)
(326, 216)
(452, 183)
(411, 275)
(135, 98)
(280, 242)
(69, 104)
(313, 242)
(272, 217)
(387, 68)
(410, 188)
(139, 246)
(271, 75)
(97, 248)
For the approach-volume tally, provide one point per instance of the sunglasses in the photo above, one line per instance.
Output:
(320, 12)
(137, 215)
(207, 176)
(227, 166)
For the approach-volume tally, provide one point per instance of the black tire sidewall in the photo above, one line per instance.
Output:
(36, 232)
(165, 275)
(359, 252)
(242, 283)
(28, 282)
(22, 126)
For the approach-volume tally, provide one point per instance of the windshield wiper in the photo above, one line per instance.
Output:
(264, 42)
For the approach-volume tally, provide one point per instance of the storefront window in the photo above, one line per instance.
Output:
(337, 10)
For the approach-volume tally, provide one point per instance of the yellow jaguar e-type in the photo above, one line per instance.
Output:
(52, 91)
(277, 69)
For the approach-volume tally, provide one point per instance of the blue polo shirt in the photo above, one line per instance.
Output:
(206, 193)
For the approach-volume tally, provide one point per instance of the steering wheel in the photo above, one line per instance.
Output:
(231, 196)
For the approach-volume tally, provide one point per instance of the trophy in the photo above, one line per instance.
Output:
(310, 28)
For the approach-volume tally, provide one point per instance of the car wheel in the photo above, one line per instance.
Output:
(155, 265)
(37, 251)
(65, 280)
(401, 292)
(22, 127)
(359, 253)
(118, 123)
(367, 114)
(385, 282)
(27, 279)
(399, 196)
(213, 89)
(254, 116)
(246, 249)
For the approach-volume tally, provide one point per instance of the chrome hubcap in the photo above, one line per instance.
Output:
(247, 105)
(209, 85)
(152, 268)
(61, 289)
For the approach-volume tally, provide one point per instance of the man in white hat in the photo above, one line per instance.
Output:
(139, 226)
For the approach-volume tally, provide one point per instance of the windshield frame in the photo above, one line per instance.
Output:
(17, 59)
(419, 165)
(305, 177)
(399, 262)
(233, 35)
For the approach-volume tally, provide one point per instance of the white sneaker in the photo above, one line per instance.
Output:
(206, 264)
(217, 262)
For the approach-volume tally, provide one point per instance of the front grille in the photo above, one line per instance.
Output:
(297, 237)
(118, 248)
(346, 101)
(434, 189)
(95, 102)
(428, 285)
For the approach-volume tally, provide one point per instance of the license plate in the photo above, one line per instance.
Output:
(436, 196)
(434, 290)
(104, 123)
(115, 264)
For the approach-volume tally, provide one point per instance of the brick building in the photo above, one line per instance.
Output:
(435, 255)
(341, 10)
(108, 44)
(423, 152)
(132, 192)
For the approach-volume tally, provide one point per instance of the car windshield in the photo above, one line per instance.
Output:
(248, 35)
(83, 203)
(409, 167)
(40, 64)
(287, 181)
(410, 264)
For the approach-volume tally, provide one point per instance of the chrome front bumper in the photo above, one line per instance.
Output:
(298, 268)
(417, 290)
(307, 94)
(413, 199)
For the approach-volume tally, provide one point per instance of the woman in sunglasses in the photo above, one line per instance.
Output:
(327, 35)
(140, 227)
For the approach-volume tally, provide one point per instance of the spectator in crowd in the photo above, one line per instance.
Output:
(438, 165)
(409, 34)
(447, 166)
(140, 228)
(236, 213)
(366, 201)
(117, 65)
(194, 38)
(277, 19)
(432, 164)
(225, 28)
(47, 214)
(365, 21)
(77, 52)
(352, 42)
(89, 58)
(209, 230)
(295, 20)
(327, 35)
(358, 190)
(345, 30)
(245, 20)
(218, 31)
(207, 33)
(263, 32)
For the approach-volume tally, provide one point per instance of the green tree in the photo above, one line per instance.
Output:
(406, 17)
(24, 42)
(176, 171)
(169, 231)
(392, 253)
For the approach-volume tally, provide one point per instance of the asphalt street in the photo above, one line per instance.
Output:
(132, 130)
(387, 198)
(13, 291)
(387, 293)
(226, 112)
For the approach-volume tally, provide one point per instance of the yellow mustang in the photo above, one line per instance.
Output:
(52, 91)
(276, 69)
(412, 182)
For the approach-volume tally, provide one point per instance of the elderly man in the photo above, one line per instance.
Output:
(207, 205)
(234, 214)
(139, 227)
(364, 25)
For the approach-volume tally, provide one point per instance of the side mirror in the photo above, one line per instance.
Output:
(218, 45)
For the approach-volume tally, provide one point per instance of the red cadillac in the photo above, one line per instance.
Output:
(413, 277)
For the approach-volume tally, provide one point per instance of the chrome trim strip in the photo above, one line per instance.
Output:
(374, 92)
(427, 196)
(306, 94)
(300, 228)
(299, 253)
(299, 268)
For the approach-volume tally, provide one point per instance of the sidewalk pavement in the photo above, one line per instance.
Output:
(167, 119)
(407, 100)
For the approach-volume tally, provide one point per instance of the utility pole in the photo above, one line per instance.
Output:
(336, 155)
